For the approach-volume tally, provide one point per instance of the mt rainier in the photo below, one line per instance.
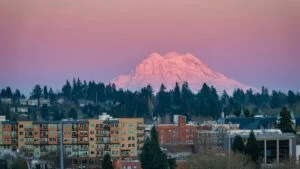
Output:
(173, 67)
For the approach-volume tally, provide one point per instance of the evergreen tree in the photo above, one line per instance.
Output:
(45, 112)
(275, 100)
(248, 113)
(285, 121)
(152, 156)
(73, 113)
(17, 95)
(292, 98)
(264, 96)
(45, 92)
(37, 93)
(238, 144)
(172, 163)
(176, 97)
(107, 163)
(186, 99)
(163, 101)
(8, 92)
(52, 95)
(251, 148)
(67, 90)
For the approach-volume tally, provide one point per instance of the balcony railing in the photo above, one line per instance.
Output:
(140, 134)
(44, 128)
(140, 127)
(43, 142)
(28, 129)
(140, 140)
(102, 134)
(102, 141)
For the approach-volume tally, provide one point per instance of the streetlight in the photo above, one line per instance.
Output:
(229, 142)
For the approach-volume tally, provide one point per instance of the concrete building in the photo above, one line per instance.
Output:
(211, 136)
(274, 146)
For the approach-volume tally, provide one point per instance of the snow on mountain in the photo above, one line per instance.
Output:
(173, 67)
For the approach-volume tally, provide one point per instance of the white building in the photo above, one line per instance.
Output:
(6, 100)
(275, 147)
(23, 102)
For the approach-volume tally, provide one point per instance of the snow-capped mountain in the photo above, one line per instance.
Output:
(173, 67)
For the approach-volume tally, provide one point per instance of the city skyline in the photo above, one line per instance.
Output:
(255, 42)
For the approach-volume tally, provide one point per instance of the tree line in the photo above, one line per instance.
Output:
(145, 103)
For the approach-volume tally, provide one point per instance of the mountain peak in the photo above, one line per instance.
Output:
(173, 67)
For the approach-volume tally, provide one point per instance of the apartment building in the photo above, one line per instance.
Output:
(84, 141)
(132, 137)
(9, 135)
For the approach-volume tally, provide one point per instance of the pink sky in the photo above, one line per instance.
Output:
(255, 42)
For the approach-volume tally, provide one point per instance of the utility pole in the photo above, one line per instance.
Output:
(61, 146)
(229, 146)
(96, 97)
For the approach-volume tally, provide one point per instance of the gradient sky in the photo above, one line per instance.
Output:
(256, 42)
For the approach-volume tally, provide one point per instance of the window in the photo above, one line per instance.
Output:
(21, 133)
(123, 145)
(129, 145)
(92, 139)
(21, 126)
(92, 132)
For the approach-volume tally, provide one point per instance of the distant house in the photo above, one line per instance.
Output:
(60, 101)
(12, 110)
(83, 103)
(45, 102)
(23, 102)
(33, 102)
(6, 100)
(2, 118)
(22, 109)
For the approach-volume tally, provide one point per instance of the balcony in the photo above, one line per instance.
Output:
(140, 134)
(43, 142)
(140, 127)
(102, 134)
(28, 129)
(28, 136)
(102, 141)
(140, 140)
(83, 134)
(125, 153)
(29, 142)
(44, 128)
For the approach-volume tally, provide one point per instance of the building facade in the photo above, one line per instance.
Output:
(85, 142)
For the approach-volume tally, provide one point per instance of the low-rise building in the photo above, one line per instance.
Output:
(23, 102)
(178, 133)
(33, 102)
(274, 146)
(6, 100)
